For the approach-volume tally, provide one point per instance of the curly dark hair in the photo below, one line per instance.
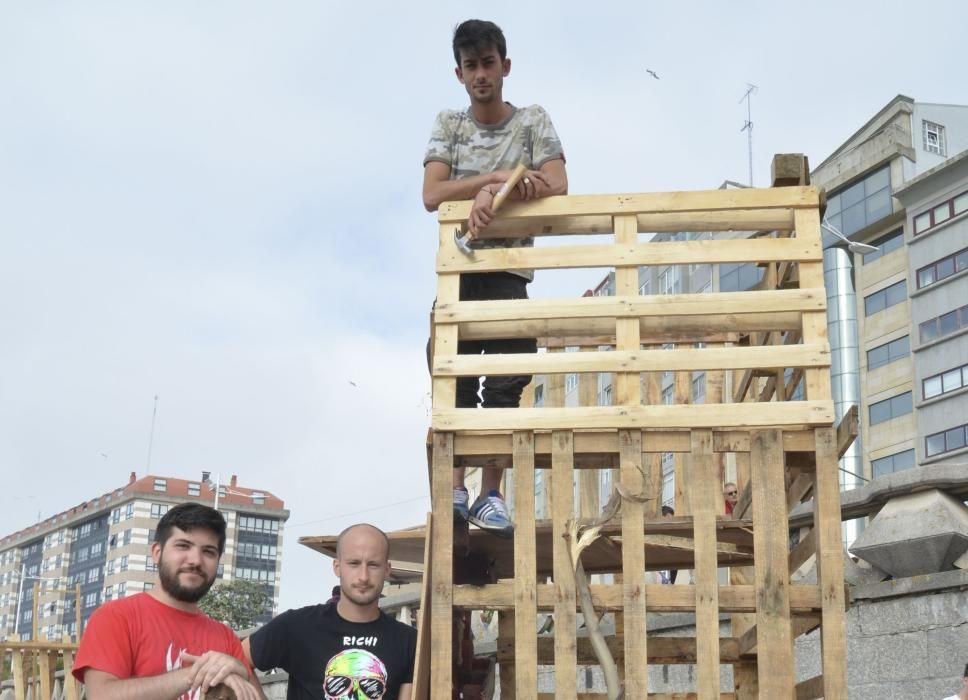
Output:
(191, 516)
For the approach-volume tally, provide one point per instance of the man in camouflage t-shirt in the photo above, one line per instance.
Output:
(470, 155)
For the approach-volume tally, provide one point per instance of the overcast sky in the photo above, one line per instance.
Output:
(219, 203)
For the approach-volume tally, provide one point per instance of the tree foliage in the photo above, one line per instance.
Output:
(237, 603)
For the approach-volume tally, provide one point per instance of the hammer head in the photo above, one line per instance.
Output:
(461, 242)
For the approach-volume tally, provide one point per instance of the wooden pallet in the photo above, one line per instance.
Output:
(784, 450)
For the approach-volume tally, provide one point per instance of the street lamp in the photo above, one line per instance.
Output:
(20, 592)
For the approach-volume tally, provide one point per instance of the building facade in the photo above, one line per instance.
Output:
(100, 550)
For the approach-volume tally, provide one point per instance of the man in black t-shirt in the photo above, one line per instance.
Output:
(349, 649)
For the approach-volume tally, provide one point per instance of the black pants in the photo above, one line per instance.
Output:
(502, 391)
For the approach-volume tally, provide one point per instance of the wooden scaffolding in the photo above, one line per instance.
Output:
(784, 447)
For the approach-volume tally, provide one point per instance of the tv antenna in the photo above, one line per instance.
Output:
(748, 126)
(151, 435)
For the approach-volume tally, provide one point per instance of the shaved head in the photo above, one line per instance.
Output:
(363, 527)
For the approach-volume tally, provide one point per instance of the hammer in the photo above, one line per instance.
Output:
(502, 194)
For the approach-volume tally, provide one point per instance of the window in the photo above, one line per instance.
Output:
(93, 574)
(149, 586)
(123, 566)
(259, 498)
(891, 408)
(122, 589)
(97, 548)
(82, 554)
(952, 380)
(129, 511)
(90, 600)
(161, 485)
(127, 537)
(945, 441)
(738, 277)
(889, 352)
(157, 510)
(699, 387)
(885, 298)
(670, 280)
(539, 395)
(940, 269)
(944, 325)
(932, 137)
(644, 288)
(940, 213)
(253, 524)
(194, 489)
(885, 244)
(108, 592)
(862, 203)
(109, 569)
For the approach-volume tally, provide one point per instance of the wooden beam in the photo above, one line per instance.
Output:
(662, 650)
(565, 594)
(794, 414)
(665, 305)
(804, 600)
(525, 568)
(805, 549)
(450, 259)
(642, 203)
(442, 547)
(776, 669)
(790, 170)
(633, 566)
(706, 505)
(681, 359)
(421, 668)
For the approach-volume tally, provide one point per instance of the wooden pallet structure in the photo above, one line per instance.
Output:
(784, 450)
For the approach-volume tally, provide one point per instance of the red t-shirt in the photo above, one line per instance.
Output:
(140, 636)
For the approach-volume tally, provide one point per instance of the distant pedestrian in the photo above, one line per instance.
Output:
(963, 694)
(730, 496)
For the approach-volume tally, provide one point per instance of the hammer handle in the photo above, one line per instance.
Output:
(509, 185)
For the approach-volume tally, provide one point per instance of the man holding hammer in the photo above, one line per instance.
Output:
(470, 156)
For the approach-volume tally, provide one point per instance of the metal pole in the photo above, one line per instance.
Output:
(218, 479)
(20, 596)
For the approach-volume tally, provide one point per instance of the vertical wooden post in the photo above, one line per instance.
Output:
(442, 576)
(706, 505)
(566, 600)
(506, 629)
(48, 664)
(830, 566)
(525, 569)
(77, 612)
(745, 672)
(652, 461)
(19, 677)
(773, 634)
(71, 689)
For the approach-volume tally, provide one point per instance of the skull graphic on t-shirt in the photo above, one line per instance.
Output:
(354, 674)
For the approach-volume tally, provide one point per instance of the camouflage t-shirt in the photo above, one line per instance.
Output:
(471, 148)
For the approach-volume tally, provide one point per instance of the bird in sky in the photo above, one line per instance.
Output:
(352, 382)
(652, 73)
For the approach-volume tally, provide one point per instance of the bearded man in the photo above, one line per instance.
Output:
(159, 645)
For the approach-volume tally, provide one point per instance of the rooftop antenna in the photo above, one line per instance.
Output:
(748, 126)
(151, 435)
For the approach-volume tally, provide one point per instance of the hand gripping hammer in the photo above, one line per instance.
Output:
(502, 194)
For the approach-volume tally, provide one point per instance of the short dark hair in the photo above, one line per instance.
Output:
(667, 510)
(966, 670)
(191, 516)
(476, 36)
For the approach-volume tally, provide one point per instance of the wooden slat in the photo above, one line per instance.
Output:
(421, 668)
(525, 569)
(48, 665)
(508, 672)
(830, 566)
(685, 359)
(695, 328)
(780, 300)
(805, 549)
(706, 503)
(641, 203)
(651, 696)
(776, 670)
(450, 259)
(795, 414)
(565, 606)
(442, 547)
(811, 688)
(814, 324)
(804, 600)
(633, 566)
(662, 650)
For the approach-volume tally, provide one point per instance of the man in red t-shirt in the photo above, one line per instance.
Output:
(159, 645)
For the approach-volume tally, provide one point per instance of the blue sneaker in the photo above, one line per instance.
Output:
(460, 503)
(490, 513)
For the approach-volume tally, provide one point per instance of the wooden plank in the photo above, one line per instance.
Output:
(802, 485)
(48, 665)
(776, 669)
(697, 328)
(17, 661)
(444, 342)
(633, 566)
(810, 688)
(680, 359)
(705, 502)
(421, 668)
(795, 414)
(566, 602)
(641, 203)
(72, 690)
(602, 442)
(442, 570)
(709, 304)
(525, 569)
(830, 566)
(804, 599)
(814, 324)
(508, 671)
(659, 222)
(623, 253)
(662, 650)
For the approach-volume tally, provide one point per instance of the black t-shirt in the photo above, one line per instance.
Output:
(317, 647)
